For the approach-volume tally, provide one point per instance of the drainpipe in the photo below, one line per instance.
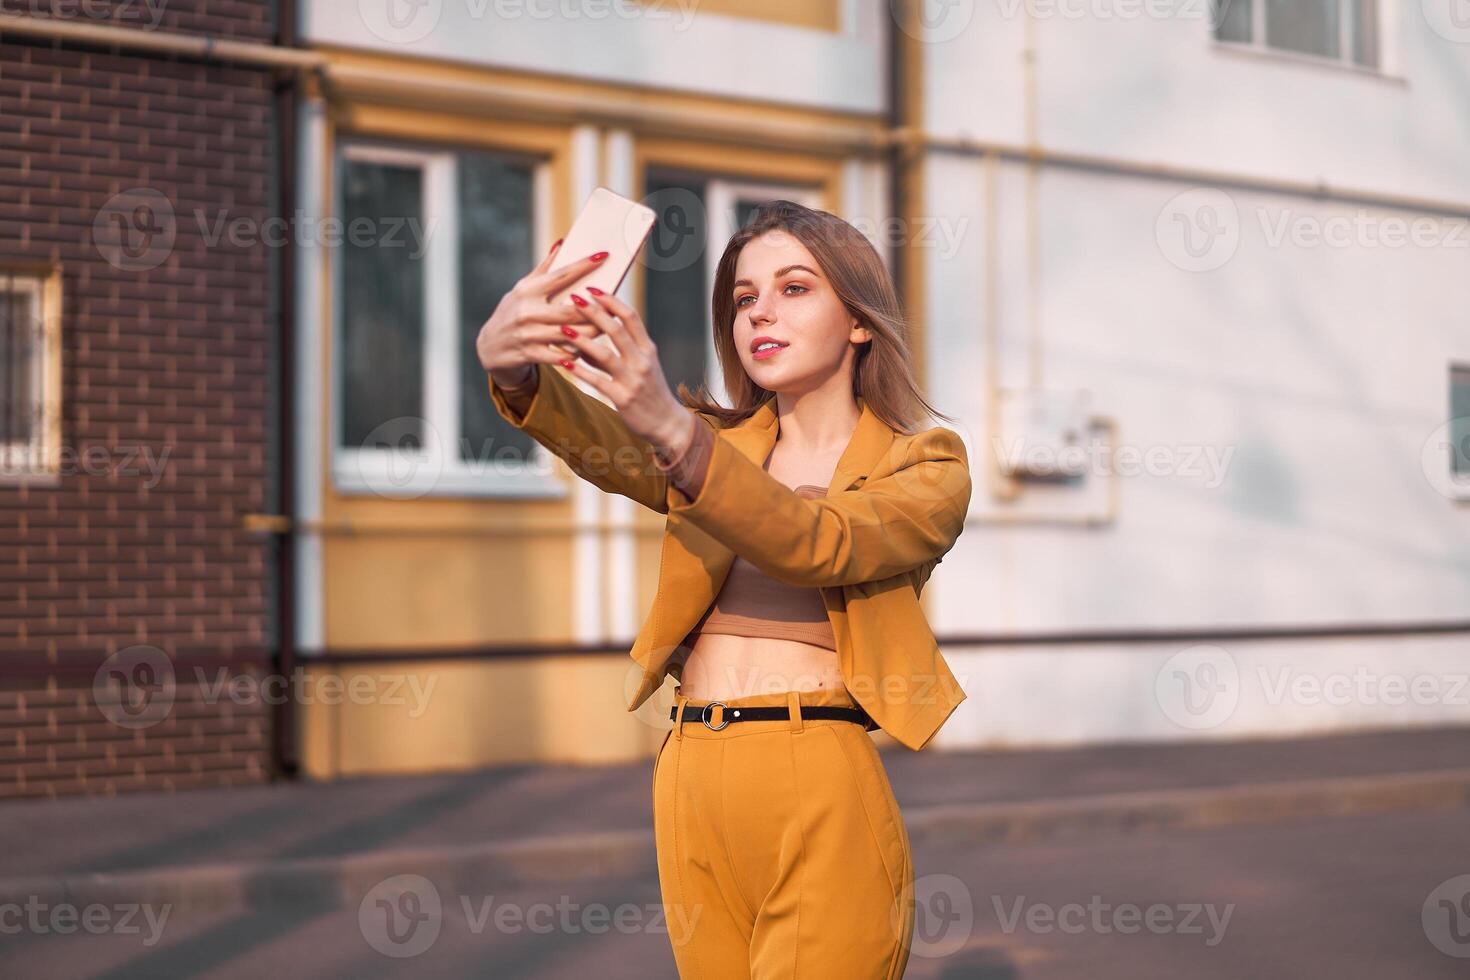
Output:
(897, 148)
(283, 739)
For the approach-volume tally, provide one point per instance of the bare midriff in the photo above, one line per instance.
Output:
(720, 666)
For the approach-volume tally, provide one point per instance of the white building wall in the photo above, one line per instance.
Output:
(1315, 373)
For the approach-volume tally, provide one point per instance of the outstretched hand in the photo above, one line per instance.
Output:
(630, 374)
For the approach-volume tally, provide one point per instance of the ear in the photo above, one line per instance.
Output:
(858, 333)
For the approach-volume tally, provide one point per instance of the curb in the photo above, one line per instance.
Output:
(338, 882)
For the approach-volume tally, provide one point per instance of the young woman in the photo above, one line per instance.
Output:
(803, 522)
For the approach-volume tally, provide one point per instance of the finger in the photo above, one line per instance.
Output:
(632, 322)
(539, 311)
(556, 337)
(549, 282)
(608, 324)
(545, 262)
(599, 381)
(596, 353)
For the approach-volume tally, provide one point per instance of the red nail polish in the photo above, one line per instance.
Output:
(555, 245)
(598, 256)
(568, 363)
(578, 300)
(594, 290)
(568, 330)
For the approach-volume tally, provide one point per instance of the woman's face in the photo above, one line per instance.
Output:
(781, 293)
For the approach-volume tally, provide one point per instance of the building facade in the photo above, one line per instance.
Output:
(136, 389)
(1168, 263)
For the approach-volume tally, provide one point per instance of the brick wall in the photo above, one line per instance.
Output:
(165, 376)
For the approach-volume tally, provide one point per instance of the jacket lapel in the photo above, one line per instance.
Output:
(694, 565)
(697, 566)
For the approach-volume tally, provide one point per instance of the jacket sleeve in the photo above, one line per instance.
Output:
(588, 434)
(891, 525)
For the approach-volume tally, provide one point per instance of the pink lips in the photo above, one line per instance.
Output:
(761, 355)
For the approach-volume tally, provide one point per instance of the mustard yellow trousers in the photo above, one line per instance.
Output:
(782, 854)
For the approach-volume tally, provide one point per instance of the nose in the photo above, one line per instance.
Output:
(758, 312)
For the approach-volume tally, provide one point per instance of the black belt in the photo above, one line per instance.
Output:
(704, 713)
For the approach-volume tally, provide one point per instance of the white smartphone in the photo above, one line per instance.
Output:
(608, 223)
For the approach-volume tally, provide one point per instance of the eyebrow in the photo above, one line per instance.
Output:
(779, 273)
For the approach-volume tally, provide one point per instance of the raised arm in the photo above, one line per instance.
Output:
(592, 437)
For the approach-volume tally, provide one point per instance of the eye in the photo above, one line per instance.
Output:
(790, 285)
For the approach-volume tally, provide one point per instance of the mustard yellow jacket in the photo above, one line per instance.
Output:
(894, 507)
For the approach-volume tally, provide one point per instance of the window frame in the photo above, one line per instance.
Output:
(439, 471)
(39, 459)
(1346, 35)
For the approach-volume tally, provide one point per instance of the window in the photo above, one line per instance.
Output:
(30, 374)
(1338, 30)
(431, 239)
(1459, 427)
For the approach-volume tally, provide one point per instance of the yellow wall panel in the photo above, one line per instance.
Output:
(457, 715)
(394, 591)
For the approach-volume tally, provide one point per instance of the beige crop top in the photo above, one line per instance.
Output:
(751, 603)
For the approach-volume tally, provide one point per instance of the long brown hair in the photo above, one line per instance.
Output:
(882, 373)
